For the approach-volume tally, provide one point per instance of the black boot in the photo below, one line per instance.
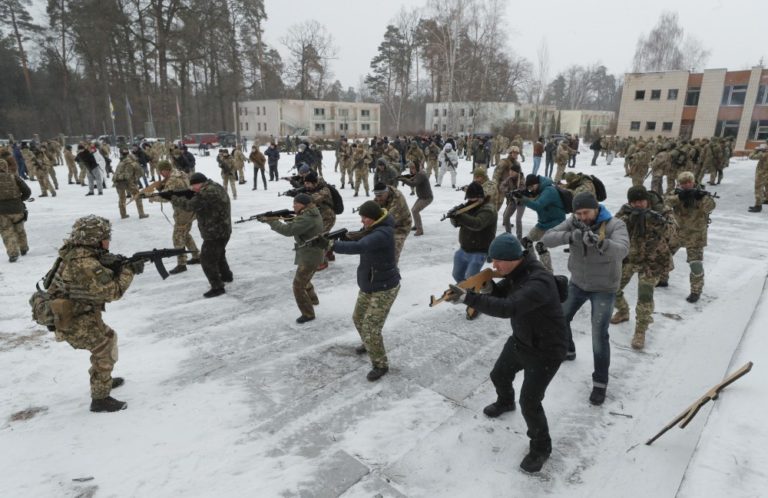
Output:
(178, 269)
(117, 382)
(534, 461)
(376, 373)
(755, 209)
(692, 297)
(108, 404)
(663, 283)
(194, 261)
(361, 349)
(598, 396)
(497, 408)
(214, 292)
(304, 319)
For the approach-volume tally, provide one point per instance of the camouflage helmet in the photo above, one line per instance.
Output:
(90, 230)
(4, 166)
(164, 165)
(480, 173)
(514, 150)
(570, 177)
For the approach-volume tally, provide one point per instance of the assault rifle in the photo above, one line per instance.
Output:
(462, 189)
(116, 262)
(407, 176)
(293, 192)
(711, 395)
(697, 193)
(476, 283)
(334, 235)
(282, 214)
(461, 208)
(519, 193)
(169, 194)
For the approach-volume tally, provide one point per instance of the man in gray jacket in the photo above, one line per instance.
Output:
(598, 244)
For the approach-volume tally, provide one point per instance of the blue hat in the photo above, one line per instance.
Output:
(505, 247)
(304, 169)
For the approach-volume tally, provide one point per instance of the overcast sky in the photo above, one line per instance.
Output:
(581, 33)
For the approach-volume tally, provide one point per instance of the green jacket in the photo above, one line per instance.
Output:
(303, 227)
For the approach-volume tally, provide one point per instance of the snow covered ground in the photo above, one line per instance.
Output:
(230, 397)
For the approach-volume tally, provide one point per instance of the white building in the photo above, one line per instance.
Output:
(482, 117)
(576, 122)
(315, 118)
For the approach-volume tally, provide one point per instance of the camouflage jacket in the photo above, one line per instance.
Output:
(762, 160)
(581, 183)
(691, 215)
(392, 154)
(388, 175)
(650, 234)
(127, 173)
(397, 206)
(303, 227)
(563, 154)
(361, 158)
(227, 165)
(432, 152)
(661, 164)
(322, 198)
(69, 158)
(639, 160)
(416, 155)
(238, 159)
(178, 180)
(211, 205)
(491, 189)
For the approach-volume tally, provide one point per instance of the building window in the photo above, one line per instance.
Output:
(437, 112)
(435, 126)
(365, 113)
(639, 94)
(471, 112)
(461, 127)
(650, 126)
(734, 95)
(265, 126)
(320, 127)
(319, 111)
(343, 126)
(264, 110)
(462, 112)
(444, 128)
(655, 94)
(727, 129)
(692, 96)
(445, 112)
(365, 127)
(759, 130)
(634, 126)
(666, 126)
(762, 95)
(672, 94)
(258, 110)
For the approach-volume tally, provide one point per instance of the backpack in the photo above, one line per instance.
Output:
(338, 202)
(600, 192)
(566, 197)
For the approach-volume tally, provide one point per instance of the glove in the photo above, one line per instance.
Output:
(137, 267)
(456, 295)
(590, 238)
(576, 236)
(527, 243)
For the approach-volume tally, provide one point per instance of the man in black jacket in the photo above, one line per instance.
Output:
(529, 297)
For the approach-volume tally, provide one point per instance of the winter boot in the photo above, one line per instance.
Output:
(663, 283)
(361, 349)
(304, 319)
(117, 382)
(597, 397)
(108, 404)
(755, 209)
(194, 261)
(498, 407)
(619, 317)
(534, 461)
(376, 373)
(214, 292)
(178, 269)
(692, 297)
(638, 340)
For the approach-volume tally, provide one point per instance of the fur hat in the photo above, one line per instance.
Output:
(637, 193)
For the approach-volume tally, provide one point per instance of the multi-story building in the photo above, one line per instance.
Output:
(482, 117)
(314, 118)
(717, 103)
(582, 121)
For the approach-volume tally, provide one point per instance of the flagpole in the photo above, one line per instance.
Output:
(129, 113)
(178, 116)
(112, 115)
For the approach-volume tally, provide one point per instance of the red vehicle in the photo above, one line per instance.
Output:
(196, 139)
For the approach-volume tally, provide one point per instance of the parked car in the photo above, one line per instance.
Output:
(196, 139)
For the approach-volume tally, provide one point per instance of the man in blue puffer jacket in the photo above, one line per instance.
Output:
(541, 196)
(378, 279)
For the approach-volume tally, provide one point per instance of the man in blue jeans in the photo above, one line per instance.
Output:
(477, 228)
(598, 244)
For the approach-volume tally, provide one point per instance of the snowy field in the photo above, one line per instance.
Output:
(230, 397)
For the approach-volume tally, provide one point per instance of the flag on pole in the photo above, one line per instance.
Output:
(111, 107)
(178, 110)
(128, 106)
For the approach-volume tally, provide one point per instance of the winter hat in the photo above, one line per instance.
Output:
(474, 191)
(197, 178)
(311, 177)
(585, 200)
(480, 171)
(448, 147)
(379, 188)
(637, 193)
(381, 162)
(532, 180)
(302, 198)
(371, 210)
(304, 169)
(165, 166)
(505, 247)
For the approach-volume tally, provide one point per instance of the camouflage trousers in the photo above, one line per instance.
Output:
(695, 260)
(534, 235)
(761, 185)
(361, 175)
(88, 331)
(369, 316)
(13, 234)
(45, 185)
(560, 172)
(346, 170)
(399, 242)
(72, 174)
(657, 184)
(123, 191)
(432, 166)
(229, 181)
(153, 170)
(81, 176)
(304, 291)
(182, 239)
(638, 180)
(52, 175)
(240, 173)
(646, 282)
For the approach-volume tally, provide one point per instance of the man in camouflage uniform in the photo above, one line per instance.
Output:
(415, 155)
(501, 173)
(579, 182)
(690, 207)
(391, 199)
(761, 178)
(393, 156)
(48, 159)
(433, 151)
(385, 173)
(490, 187)
(321, 196)
(361, 159)
(228, 172)
(345, 161)
(13, 192)
(378, 279)
(718, 161)
(562, 156)
(126, 180)
(638, 164)
(306, 225)
(152, 158)
(72, 175)
(172, 180)
(660, 165)
(514, 181)
(649, 256)
(517, 142)
(83, 282)
(37, 161)
(238, 163)
(706, 162)
(678, 162)
(210, 203)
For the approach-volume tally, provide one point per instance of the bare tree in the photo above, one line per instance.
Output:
(668, 48)
(311, 48)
